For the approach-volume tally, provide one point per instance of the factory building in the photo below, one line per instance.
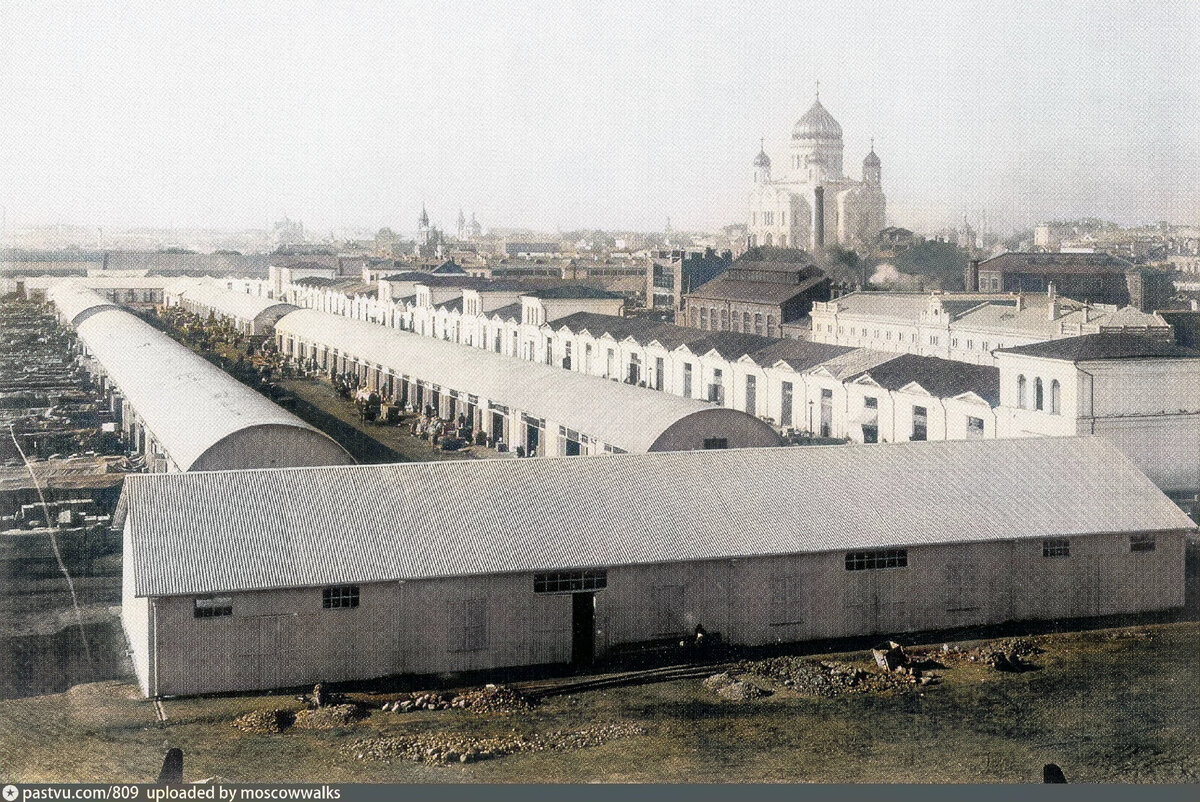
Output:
(457, 566)
(253, 315)
(544, 410)
(182, 412)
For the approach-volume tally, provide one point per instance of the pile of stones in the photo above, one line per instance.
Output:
(488, 699)
(423, 701)
(444, 749)
(728, 687)
(826, 678)
(329, 717)
(264, 721)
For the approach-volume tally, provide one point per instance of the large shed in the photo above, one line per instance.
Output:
(245, 580)
(250, 314)
(547, 410)
(183, 412)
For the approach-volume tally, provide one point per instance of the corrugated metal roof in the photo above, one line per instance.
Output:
(239, 305)
(627, 417)
(187, 403)
(243, 530)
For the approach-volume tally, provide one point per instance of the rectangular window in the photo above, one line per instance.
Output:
(339, 596)
(1056, 547)
(687, 379)
(974, 428)
(751, 395)
(212, 606)
(876, 560)
(714, 443)
(716, 390)
(570, 581)
(920, 426)
(1141, 543)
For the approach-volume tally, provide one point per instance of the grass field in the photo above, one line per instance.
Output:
(1106, 705)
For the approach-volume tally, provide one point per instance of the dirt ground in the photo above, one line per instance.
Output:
(1116, 705)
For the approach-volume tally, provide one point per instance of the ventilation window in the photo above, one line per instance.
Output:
(339, 597)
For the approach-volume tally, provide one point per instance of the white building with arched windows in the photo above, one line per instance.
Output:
(811, 203)
(1141, 394)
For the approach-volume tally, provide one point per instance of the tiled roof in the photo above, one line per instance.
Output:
(1106, 345)
(248, 530)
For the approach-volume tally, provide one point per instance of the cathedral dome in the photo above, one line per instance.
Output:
(762, 160)
(817, 123)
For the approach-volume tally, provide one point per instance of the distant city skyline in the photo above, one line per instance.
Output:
(550, 116)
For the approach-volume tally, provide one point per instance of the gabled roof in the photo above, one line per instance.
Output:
(799, 355)
(730, 344)
(730, 289)
(939, 377)
(1105, 345)
(643, 330)
(507, 312)
(853, 363)
(249, 530)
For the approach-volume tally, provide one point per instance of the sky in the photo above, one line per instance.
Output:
(566, 115)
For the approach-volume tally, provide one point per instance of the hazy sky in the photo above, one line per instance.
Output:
(587, 114)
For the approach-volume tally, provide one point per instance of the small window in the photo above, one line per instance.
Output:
(876, 560)
(212, 606)
(570, 581)
(1141, 543)
(1056, 547)
(870, 403)
(713, 443)
(974, 428)
(339, 596)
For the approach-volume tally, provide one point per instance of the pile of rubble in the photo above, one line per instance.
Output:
(408, 702)
(442, 749)
(496, 699)
(264, 722)
(488, 699)
(732, 689)
(1011, 655)
(329, 717)
(825, 678)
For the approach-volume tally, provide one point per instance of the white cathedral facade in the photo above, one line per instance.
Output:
(811, 203)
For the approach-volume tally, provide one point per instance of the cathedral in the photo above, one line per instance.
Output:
(812, 204)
